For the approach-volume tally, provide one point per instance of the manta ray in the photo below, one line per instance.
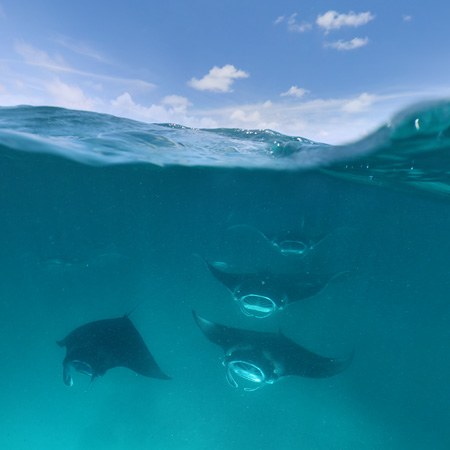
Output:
(287, 243)
(98, 346)
(259, 358)
(260, 294)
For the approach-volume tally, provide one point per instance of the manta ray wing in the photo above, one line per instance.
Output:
(229, 279)
(129, 350)
(300, 361)
(225, 337)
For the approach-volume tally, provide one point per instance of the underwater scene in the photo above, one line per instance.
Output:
(164, 287)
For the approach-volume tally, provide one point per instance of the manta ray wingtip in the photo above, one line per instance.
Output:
(198, 320)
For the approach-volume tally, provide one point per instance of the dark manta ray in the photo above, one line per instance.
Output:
(259, 358)
(98, 346)
(260, 294)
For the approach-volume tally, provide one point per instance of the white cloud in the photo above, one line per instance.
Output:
(176, 103)
(172, 109)
(359, 104)
(125, 106)
(218, 79)
(296, 27)
(332, 20)
(406, 18)
(295, 91)
(292, 24)
(333, 120)
(70, 96)
(309, 119)
(245, 117)
(348, 45)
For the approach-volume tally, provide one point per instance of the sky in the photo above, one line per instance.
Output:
(331, 71)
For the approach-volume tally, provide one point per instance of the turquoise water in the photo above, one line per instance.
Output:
(101, 216)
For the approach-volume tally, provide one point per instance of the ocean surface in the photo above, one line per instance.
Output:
(102, 216)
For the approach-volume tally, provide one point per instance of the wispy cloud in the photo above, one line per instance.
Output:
(332, 20)
(80, 48)
(2, 12)
(294, 91)
(352, 44)
(218, 79)
(39, 58)
(279, 19)
(292, 23)
(36, 57)
(406, 18)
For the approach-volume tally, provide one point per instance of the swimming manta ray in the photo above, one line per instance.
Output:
(290, 243)
(287, 243)
(260, 294)
(98, 346)
(259, 358)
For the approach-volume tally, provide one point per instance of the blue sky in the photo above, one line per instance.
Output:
(327, 70)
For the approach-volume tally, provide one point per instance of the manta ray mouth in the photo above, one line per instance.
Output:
(82, 367)
(79, 366)
(258, 306)
(291, 247)
(246, 371)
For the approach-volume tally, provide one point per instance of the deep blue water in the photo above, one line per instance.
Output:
(101, 215)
